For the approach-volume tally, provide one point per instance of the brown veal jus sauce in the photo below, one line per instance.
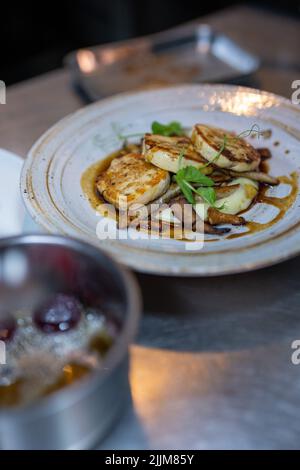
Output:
(88, 184)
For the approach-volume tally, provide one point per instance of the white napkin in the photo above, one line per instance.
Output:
(13, 217)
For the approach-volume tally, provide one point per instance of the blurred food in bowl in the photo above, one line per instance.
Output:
(67, 316)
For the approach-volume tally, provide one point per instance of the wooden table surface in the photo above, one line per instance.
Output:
(211, 367)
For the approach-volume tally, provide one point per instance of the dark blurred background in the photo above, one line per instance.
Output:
(35, 36)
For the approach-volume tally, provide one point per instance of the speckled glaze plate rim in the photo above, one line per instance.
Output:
(279, 248)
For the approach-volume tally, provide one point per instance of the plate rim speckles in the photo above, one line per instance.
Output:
(42, 187)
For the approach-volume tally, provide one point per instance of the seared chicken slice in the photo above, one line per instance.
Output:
(130, 179)
(165, 153)
(237, 155)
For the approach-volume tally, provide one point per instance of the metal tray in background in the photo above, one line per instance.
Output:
(191, 53)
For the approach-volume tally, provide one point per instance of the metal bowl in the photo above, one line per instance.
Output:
(78, 416)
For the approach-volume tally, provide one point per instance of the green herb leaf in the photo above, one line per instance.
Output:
(193, 175)
(208, 195)
(187, 175)
(188, 192)
(186, 189)
(173, 128)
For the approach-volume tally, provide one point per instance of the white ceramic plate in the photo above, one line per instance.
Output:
(51, 175)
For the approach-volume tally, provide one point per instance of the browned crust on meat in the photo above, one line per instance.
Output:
(133, 165)
(249, 153)
(174, 146)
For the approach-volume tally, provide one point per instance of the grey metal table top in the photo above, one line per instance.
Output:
(212, 365)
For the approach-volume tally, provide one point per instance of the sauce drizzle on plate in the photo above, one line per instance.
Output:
(88, 184)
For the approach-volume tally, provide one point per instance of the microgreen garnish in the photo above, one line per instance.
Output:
(172, 128)
(208, 195)
(193, 175)
(186, 189)
(255, 129)
(190, 174)
(123, 137)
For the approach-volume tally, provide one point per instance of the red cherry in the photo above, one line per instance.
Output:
(8, 326)
(60, 313)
